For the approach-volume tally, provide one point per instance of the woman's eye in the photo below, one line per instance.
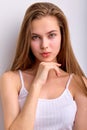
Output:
(52, 35)
(35, 37)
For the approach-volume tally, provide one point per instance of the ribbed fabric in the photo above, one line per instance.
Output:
(52, 114)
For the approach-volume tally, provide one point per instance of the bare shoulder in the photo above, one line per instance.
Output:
(79, 89)
(9, 79)
(77, 86)
(9, 75)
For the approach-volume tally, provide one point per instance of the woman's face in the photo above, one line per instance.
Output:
(45, 39)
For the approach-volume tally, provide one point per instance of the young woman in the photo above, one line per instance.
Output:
(46, 88)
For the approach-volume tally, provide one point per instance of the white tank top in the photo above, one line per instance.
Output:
(52, 114)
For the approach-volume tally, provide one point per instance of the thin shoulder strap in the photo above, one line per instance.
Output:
(69, 80)
(23, 91)
(21, 78)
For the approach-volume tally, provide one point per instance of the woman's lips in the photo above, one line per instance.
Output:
(45, 54)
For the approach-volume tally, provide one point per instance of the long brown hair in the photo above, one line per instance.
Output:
(24, 58)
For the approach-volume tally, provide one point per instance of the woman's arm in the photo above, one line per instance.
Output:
(14, 118)
(81, 115)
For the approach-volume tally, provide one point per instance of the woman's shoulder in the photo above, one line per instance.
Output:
(9, 76)
(79, 80)
(9, 79)
(79, 84)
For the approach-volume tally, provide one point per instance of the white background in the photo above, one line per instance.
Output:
(11, 16)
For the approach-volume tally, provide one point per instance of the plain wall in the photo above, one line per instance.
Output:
(11, 15)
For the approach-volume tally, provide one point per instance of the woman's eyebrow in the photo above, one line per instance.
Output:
(46, 33)
(35, 34)
(52, 31)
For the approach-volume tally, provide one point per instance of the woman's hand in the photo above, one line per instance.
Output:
(43, 70)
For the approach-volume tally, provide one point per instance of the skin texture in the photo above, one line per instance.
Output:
(46, 80)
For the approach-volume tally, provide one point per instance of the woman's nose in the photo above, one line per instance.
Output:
(44, 43)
